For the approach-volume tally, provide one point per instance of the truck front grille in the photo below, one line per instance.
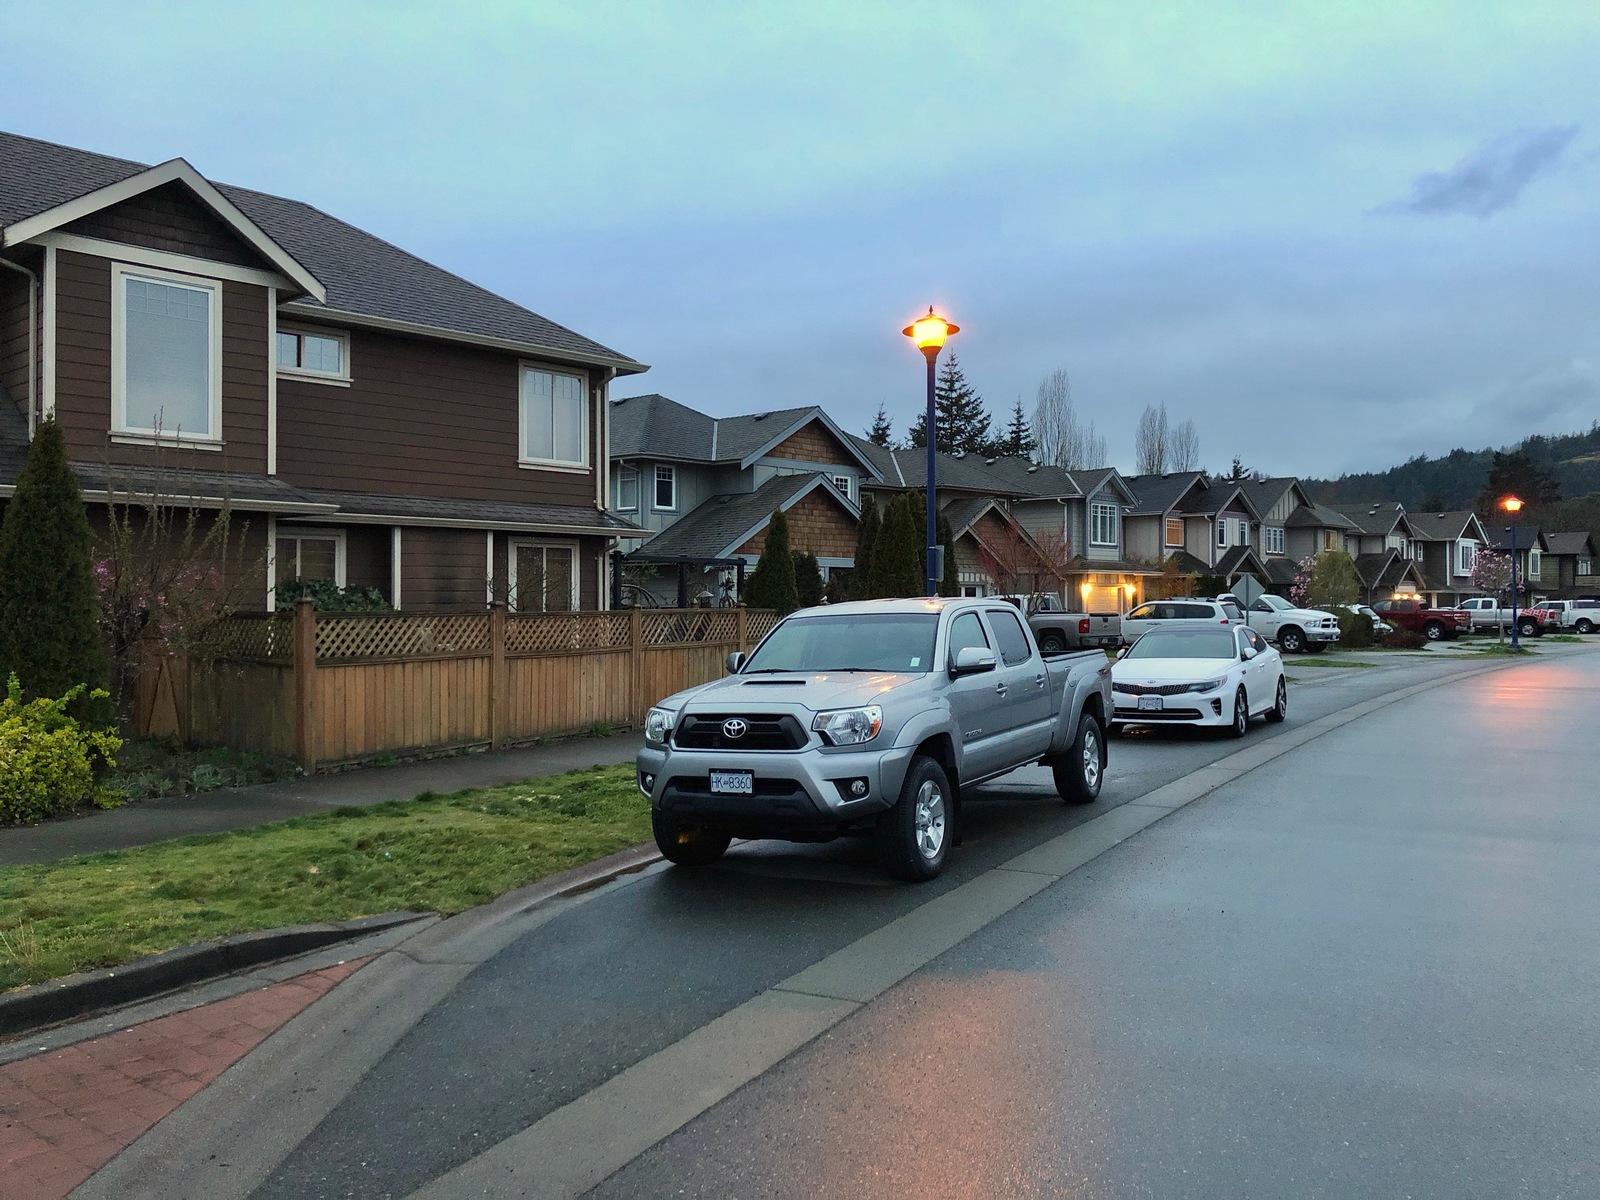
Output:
(763, 731)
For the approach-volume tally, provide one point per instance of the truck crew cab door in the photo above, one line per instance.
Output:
(1025, 710)
(973, 699)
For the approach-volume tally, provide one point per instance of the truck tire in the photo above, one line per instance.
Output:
(1241, 715)
(1291, 640)
(1433, 631)
(1529, 628)
(687, 844)
(1051, 641)
(914, 836)
(1586, 626)
(1080, 772)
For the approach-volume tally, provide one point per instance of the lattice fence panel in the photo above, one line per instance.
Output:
(265, 638)
(689, 626)
(400, 635)
(557, 633)
(758, 622)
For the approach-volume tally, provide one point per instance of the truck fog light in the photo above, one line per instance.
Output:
(647, 783)
(858, 787)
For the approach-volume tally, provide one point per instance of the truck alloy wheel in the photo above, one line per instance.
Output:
(1079, 773)
(914, 836)
(1433, 631)
(1585, 626)
(1291, 640)
(1051, 643)
(1528, 628)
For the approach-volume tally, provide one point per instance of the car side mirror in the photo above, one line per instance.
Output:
(735, 661)
(971, 660)
(1122, 651)
(1246, 654)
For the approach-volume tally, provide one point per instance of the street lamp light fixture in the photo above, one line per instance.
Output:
(930, 333)
(1513, 505)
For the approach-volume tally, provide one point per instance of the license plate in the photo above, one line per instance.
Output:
(1151, 703)
(733, 783)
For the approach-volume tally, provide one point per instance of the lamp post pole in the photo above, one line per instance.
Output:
(931, 353)
(1514, 643)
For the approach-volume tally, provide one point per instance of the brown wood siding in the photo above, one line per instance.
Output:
(366, 557)
(14, 335)
(443, 569)
(813, 443)
(83, 378)
(242, 556)
(169, 218)
(817, 525)
(587, 565)
(420, 418)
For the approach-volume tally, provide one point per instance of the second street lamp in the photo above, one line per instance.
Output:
(1513, 506)
(929, 333)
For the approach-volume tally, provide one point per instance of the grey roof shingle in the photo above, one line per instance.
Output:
(1264, 493)
(1318, 516)
(656, 426)
(1376, 519)
(364, 275)
(1579, 543)
(1440, 526)
(1158, 494)
(715, 528)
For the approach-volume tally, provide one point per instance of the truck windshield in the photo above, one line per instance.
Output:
(899, 642)
(1184, 643)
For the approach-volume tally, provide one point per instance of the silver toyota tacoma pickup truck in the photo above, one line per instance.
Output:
(873, 719)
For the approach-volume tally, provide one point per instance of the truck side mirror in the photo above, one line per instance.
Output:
(971, 660)
(735, 661)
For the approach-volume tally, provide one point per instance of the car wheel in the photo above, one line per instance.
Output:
(1433, 630)
(685, 843)
(914, 835)
(1051, 642)
(1585, 626)
(1079, 774)
(1241, 715)
(1291, 641)
(1280, 706)
(1528, 628)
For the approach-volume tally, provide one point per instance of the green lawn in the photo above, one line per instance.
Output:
(1326, 662)
(439, 853)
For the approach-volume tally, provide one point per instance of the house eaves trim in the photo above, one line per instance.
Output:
(347, 518)
(165, 259)
(127, 496)
(818, 481)
(815, 415)
(173, 171)
(339, 316)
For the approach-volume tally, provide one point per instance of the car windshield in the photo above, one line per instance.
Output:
(1181, 643)
(899, 642)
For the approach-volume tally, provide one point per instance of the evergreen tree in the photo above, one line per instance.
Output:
(1333, 580)
(882, 432)
(1018, 440)
(49, 633)
(950, 585)
(963, 422)
(896, 557)
(1517, 473)
(772, 583)
(866, 540)
(807, 580)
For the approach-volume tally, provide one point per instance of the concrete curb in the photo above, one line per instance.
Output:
(89, 991)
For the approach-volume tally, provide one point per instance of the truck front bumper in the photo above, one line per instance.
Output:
(1322, 636)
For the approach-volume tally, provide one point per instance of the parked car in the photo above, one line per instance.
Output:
(1178, 612)
(1206, 675)
(1435, 624)
(871, 718)
(1058, 629)
(1582, 616)
(1489, 614)
(1380, 628)
(1296, 630)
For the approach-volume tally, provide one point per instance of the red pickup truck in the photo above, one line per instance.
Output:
(1435, 624)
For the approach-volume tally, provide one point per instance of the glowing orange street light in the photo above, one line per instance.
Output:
(1513, 505)
(930, 333)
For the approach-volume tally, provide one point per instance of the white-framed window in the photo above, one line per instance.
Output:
(315, 554)
(544, 577)
(554, 418)
(1330, 539)
(166, 355)
(1222, 532)
(322, 355)
(1586, 566)
(1103, 524)
(1274, 539)
(972, 589)
(627, 485)
(1535, 564)
(1466, 557)
(842, 482)
(665, 496)
(1174, 531)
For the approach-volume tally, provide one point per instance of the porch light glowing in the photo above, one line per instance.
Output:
(1086, 588)
(1511, 504)
(930, 332)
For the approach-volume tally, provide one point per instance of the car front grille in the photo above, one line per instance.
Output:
(1163, 689)
(1164, 714)
(763, 731)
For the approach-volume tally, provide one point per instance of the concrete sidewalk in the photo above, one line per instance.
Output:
(239, 808)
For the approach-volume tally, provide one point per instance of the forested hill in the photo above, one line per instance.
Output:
(1455, 480)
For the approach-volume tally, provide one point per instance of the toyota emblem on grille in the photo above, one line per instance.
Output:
(734, 728)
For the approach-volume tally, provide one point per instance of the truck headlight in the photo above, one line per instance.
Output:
(658, 724)
(849, 726)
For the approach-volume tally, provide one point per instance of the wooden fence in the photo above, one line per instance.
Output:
(330, 688)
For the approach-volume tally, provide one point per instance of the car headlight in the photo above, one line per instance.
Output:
(1209, 685)
(658, 724)
(849, 726)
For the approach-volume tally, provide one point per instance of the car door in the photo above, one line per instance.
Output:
(1022, 689)
(1260, 677)
(1137, 621)
(973, 698)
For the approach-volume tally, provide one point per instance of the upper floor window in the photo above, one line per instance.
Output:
(166, 355)
(842, 482)
(1222, 532)
(1174, 531)
(1103, 524)
(1273, 537)
(1586, 566)
(666, 487)
(1466, 557)
(627, 489)
(1535, 564)
(320, 354)
(554, 418)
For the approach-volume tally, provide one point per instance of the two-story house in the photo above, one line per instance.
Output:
(1569, 565)
(1215, 519)
(1446, 546)
(1277, 500)
(368, 417)
(1532, 547)
(1314, 529)
(1384, 548)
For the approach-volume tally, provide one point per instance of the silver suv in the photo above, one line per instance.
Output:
(1179, 612)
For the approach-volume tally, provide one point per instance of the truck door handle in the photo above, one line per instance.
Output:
(1000, 689)
(1039, 679)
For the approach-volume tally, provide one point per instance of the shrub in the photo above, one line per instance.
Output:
(47, 759)
(772, 584)
(807, 580)
(327, 596)
(1355, 629)
(1333, 580)
(866, 540)
(1404, 639)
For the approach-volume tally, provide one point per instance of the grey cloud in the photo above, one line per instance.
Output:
(1489, 179)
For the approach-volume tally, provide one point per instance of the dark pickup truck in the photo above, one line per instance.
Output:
(1435, 624)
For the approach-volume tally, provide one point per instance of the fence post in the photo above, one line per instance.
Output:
(743, 636)
(636, 658)
(305, 685)
(497, 673)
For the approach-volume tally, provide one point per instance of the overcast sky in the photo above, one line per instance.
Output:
(1336, 235)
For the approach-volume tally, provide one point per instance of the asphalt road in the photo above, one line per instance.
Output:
(1367, 966)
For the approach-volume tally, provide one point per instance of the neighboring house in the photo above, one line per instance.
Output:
(1385, 574)
(1277, 500)
(1158, 525)
(1531, 550)
(1314, 529)
(1379, 528)
(378, 420)
(1447, 545)
(1569, 567)
(706, 488)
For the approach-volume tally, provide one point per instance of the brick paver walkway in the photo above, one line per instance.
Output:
(64, 1115)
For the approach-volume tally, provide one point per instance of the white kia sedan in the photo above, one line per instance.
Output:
(1216, 677)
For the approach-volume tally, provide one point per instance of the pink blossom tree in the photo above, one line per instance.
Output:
(1300, 589)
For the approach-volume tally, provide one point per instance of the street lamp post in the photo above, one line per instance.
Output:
(929, 334)
(1513, 506)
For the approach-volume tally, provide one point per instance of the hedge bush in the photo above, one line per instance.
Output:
(327, 596)
(1355, 629)
(1404, 639)
(48, 760)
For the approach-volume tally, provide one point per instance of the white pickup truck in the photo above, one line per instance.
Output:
(1296, 630)
(1581, 616)
(1489, 614)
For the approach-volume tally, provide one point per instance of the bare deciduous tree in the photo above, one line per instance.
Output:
(1063, 440)
(1152, 441)
(1184, 448)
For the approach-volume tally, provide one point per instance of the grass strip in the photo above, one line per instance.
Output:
(1326, 662)
(440, 853)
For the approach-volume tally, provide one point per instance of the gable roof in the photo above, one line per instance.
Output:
(1388, 569)
(1240, 560)
(1216, 498)
(1528, 537)
(1264, 493)
(1318, 516)
(717, 528)
(909, 469)
(1579, 543)
(1377, 519)
(1157, 495)
(1445, 526)
(658, 427)
(359, 279)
